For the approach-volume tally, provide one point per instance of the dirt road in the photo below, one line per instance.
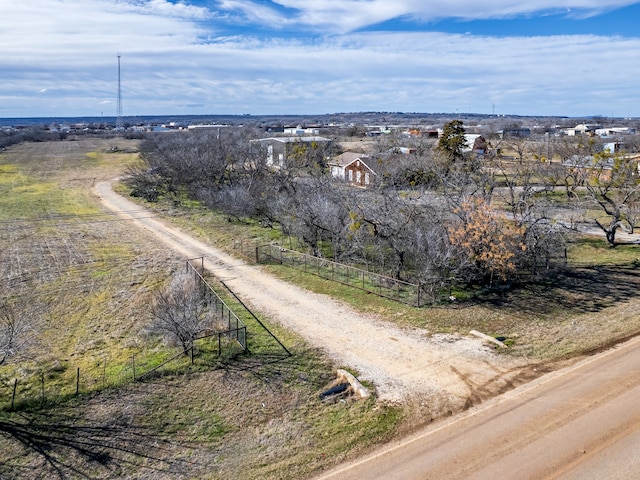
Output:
(582, 422)
(447, 371)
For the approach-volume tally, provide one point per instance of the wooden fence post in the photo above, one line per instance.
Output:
(13, 396)
(41, 388)
(78, 382)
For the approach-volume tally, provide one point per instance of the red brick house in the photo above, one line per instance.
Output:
(353, 168)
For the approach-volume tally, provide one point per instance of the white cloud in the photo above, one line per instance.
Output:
(349, 15)
(254, 12)
(173, 62)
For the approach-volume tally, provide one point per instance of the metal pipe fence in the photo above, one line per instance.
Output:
(381, 285)
(235, 328)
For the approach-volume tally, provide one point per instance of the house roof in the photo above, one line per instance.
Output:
(292, 139)
(348, 158)
(588, 161)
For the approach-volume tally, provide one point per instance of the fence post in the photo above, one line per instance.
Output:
(41, 388)
(104, 373)
(13, 396)
(257, 255)
(78, 382)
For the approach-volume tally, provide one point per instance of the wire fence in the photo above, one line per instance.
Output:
(36, 387)
(381, 285)
(235, 329)
(32, 386)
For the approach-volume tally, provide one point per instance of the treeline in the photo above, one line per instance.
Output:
(428, 217)
(30, 134)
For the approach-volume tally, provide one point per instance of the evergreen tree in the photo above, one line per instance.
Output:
(453, 141)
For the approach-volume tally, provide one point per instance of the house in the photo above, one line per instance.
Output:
(613, 131)
(589, 166)
(583, 129)
(301, 131)
(480, 146)
(402, 150)
(613, 147)
(279, 149)
(354, 168)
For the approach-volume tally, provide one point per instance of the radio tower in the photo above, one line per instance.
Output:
(119, 124)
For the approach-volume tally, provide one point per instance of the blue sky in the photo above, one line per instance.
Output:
(543, 57)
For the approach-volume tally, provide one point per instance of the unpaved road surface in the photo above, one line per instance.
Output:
(582, 422)
(448, 371)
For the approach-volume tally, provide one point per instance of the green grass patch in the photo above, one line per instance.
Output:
(593, 251)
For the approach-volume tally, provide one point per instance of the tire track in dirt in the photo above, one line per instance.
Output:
(578, 422)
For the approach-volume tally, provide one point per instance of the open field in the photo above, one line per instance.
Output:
(92, 275)
(251, 418)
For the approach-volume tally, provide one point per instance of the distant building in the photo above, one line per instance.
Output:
(613, 147)
(300, 131)
(279, 149)
(480, 146)
(613, 131)
(519, 132)
(583, 129)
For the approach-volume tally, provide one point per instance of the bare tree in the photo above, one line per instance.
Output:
(387, 220)
(180, 312)
(614, 185)
(17, 329)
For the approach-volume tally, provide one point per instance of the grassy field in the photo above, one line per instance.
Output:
(90, 278)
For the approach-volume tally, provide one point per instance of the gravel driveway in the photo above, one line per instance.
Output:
(448, 371)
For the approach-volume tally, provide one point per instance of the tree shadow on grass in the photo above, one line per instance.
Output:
(53, 445)
(577, 291)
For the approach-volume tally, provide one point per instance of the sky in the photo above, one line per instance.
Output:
(59, 58)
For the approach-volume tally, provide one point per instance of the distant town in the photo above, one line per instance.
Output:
(353, 124)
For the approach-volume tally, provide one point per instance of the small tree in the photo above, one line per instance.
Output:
(180, 312)
(487, 243)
